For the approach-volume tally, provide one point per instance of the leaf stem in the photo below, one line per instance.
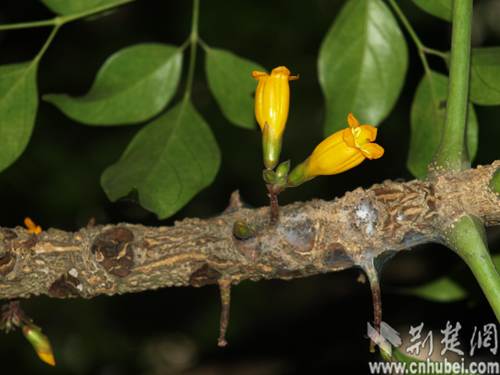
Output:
(452, 153)
(421, 53)
(26, 25)
(61, 20)
(46, 44)
(467, 238)
(194, 45)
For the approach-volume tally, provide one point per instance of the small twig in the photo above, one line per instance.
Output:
(275, 213)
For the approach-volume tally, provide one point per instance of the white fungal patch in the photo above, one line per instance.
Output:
(366, 217)
(80, 287)
(73, 272)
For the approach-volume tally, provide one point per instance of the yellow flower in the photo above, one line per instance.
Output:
(339, 152)
(32, 227)
(272, 101)
(40, 342)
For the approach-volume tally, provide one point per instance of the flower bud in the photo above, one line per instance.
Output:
(40, 342)
(283, 169)
(272, 100)
(281, 181)
(269, 176)
(241, 230)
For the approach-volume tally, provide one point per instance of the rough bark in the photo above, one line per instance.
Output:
(360, 229)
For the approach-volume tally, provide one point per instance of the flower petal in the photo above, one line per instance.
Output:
(372, 151)
(352, 121)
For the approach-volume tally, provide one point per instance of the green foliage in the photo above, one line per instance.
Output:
(362, 64)
(362, 67)
(169, 161)
(133, 85)
(485, 76)
(453, 286)
(232, 86)
(439, 8)
(444, 289)
(77, 6)
(427, 121)
(18, 105)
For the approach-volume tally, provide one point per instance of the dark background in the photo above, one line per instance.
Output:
(314, 325)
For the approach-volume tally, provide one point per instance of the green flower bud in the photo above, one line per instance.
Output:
(269, 176)
(241, 230)
(283, 169)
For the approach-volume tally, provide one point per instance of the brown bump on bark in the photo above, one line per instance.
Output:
(29, 243)
(337, 257)
(285, 274)
(7, 262)
(250, 247)
(302, 238)
(114, 247)
(204, 275)
(65, 287)
(386, 195)
(9, 234)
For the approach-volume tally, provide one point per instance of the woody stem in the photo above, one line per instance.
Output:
(275, 213)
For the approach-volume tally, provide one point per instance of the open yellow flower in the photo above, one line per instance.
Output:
(339, 152)
(32, 227)
(272, 101)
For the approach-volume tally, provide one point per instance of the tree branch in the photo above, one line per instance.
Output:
(360, 229)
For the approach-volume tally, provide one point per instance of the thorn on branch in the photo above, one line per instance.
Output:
(235, 203)
(225, 291)
(91, 223)
(371, 272)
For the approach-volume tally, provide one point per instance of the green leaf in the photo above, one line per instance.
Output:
(485, 76)
(77, 6)
(18, 105)
(230, 80)
(427, 121)
(444, 289)
(440, 8)
(133, 85)
(362, 64)
(169, 161)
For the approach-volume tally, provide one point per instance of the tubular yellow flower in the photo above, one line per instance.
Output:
(339, 152)
(272, 101)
